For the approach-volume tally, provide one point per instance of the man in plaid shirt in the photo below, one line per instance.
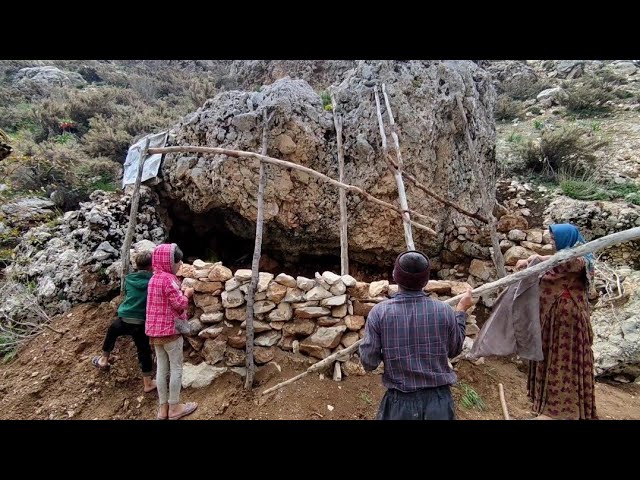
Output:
(415, 335)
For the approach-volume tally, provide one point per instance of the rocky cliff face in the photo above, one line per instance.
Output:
(435, 105)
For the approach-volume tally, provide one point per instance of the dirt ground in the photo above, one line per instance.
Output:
(52, 378)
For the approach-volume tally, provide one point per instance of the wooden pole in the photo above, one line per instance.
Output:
(257, 250)
(133, 216)
(556, 259)
(315, 367)
(295, 166)
(344, 241)
(503, 402)
(397, 173)
(411, 179)
(498, 258)
(402, 196)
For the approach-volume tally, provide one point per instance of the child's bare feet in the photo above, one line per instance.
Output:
(180, 410)
(163, 411)
(149, 384)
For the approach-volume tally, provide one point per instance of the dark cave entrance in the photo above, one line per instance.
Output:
(223, 235)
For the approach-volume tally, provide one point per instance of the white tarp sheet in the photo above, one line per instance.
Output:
(151, 165)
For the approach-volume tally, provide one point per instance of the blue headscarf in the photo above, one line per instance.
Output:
(567, 235)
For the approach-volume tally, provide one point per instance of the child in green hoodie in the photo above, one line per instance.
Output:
(131, 319)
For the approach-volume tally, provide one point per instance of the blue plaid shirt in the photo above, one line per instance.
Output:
(414, 335)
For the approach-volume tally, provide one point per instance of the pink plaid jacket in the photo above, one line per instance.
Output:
(165, 300)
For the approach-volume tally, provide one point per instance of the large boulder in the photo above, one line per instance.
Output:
(47, 77)
(514, 77)
(301, 212)
(27, 212)
(249, 74)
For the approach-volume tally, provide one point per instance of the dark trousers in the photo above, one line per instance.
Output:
(119, 328)
(426, 404)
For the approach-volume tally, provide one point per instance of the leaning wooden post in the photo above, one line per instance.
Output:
(498, 258)
(133, 216)
(257, 250)
(284, 164)
(397, 173)
(402, 195)
(344, 242)
(412, 180)
(503, 402)
(317, 366)
(560, 257)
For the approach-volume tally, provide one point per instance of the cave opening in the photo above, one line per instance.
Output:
(223, 235)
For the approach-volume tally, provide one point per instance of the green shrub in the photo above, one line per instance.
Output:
(569, 151)
(522, 90)
(326, 100)
(589, 95)
(514, 137)
(507, 108)
(583, 190)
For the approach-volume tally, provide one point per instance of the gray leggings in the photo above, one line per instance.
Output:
(169, 358)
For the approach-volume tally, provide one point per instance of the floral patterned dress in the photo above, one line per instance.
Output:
(562, 385)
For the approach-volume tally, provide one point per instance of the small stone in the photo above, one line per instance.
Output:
(338, 288)
(305, 284)
(211, 332)
(378, 288)
(268, 339)
(212, 317)
(330, 277)
(243, 275)
(263, 306)
(317, 293)
(220, 273)
(237, 314)
(232, 284)
(348, 280)
(294, 295)
(286, 280)
(263, 281)
(232, 299)
(354, 322)
(276, 292)
(282, 313)
(349, 339)
(207, 287)
(339, 312)
(334, 301)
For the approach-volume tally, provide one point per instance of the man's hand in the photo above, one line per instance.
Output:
(188, 292)
(466, 302)
(522, 264)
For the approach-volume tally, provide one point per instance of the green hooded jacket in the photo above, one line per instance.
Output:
(133, 308)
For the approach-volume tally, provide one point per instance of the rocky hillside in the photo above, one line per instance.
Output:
(563, 148)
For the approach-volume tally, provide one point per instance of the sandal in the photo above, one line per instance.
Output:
(189, 408)
(95, 361)
(161, 417)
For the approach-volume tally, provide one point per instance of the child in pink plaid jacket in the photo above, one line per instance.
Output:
(166, 303)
